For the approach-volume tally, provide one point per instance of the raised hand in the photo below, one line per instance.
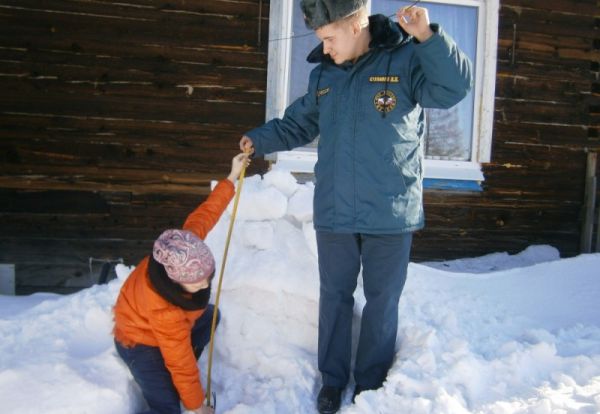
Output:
(415, 21)
(237, 163)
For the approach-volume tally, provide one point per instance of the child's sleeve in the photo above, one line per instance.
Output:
(173, 335)
(204, 218)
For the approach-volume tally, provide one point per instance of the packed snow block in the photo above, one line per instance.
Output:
(267, 204)
(259, 235)
(259, 202)
(300, 204)
(282, 180)
(308, 229)
(123, 271)
(499, 261)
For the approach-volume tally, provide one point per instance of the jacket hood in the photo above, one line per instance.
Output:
(385, 33)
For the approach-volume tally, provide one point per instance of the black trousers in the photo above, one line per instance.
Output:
(384, 260)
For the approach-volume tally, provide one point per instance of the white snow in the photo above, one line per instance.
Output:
(497, 334)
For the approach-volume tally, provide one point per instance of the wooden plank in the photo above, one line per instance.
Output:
(548, 68)
(118, 75)
(28, 136)
(549, 42)
(431, 244)
(187, 91)
(548, 134)
(546, 22)
(126, 216)
(99, 179)
(41, 177)
(589, 203)
(579, 7)
(201, 155)
(150, 10)
(439, 198)
(30, 250)
(182, 28)
(541, 112)
(522, 218)
(97, 141)
(534, 89)
(133, 108)
(52, 202)
(92, 226)
(157, 50)
(119, 130)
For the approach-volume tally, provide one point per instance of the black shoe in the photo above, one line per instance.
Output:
(329, 399)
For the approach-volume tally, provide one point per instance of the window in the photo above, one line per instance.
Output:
(457, 140)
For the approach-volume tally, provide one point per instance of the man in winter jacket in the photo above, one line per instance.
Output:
(162, 315)
(365, 100)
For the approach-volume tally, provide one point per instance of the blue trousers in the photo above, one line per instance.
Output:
(148, 368)
(384, 260)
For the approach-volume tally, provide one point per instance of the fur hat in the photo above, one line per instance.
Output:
(318, 13)
(184, 255)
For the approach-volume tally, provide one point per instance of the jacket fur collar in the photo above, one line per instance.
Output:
(385, 34)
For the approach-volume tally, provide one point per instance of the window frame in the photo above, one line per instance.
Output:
(303, 159)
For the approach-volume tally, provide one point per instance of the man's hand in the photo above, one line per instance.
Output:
(246, 145)
(415, 21)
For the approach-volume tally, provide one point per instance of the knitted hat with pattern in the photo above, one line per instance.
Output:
(186, 258)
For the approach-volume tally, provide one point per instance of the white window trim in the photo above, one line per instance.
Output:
(304, 159)
(278, 64)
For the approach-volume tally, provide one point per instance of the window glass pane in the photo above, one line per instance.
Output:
(304, 41)
(449, 132)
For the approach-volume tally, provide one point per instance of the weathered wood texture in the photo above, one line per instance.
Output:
(115, 116)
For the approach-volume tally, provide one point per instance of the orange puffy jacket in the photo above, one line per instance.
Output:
(142, 316)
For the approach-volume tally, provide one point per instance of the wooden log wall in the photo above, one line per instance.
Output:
(546, 118)
(114, 117)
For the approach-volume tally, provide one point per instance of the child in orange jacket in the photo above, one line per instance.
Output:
(162, 315)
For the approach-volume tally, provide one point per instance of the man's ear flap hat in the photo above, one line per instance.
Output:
(318, 13)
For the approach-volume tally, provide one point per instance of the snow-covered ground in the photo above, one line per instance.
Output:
(496, 334)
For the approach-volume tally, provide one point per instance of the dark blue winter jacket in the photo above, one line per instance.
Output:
(370, 119)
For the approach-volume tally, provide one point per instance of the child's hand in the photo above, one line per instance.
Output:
(237, 164)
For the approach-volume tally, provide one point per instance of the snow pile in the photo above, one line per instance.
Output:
(510, 339)
(499, 261)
